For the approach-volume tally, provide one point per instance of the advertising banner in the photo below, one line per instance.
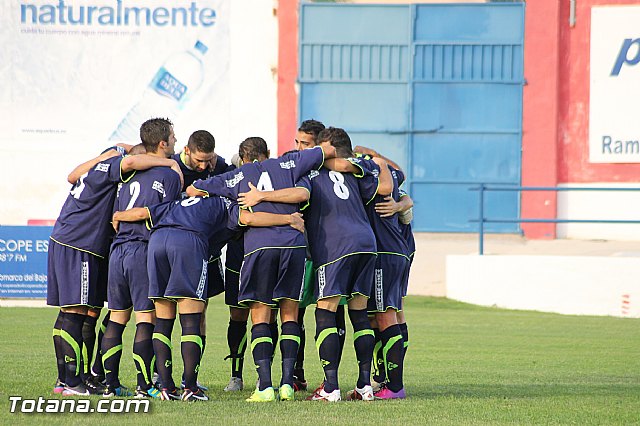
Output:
(23, 261)
(614, 128)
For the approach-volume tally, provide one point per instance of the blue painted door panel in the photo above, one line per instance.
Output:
(436, 87)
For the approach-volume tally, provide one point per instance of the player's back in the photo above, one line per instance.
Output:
(84, 221)
(389, 237)
(145, 188)
(208, 217)
(337, 224)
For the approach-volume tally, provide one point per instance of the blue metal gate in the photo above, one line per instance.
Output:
(436, 87)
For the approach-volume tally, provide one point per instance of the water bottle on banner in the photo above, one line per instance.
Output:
(175, 82)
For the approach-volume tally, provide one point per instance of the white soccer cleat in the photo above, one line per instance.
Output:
(361, 394)
(321, 395)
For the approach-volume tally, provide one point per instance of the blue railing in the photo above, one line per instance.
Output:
(484, 188)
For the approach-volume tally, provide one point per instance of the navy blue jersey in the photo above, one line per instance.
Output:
(268, 175)
(407, 231)
(337, 224)
(389, 237)
(145, 188)
(191, 176)
(214, 219)
(85, 219)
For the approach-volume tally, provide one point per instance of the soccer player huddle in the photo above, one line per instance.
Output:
(144, 229)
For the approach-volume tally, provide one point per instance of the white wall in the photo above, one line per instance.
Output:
(34, 166)
(599, 205)
(564, 284)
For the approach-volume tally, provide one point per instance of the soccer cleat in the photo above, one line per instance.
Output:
(267, 395)
(286, 392)
(58, 387)
(152, 392)
(81, 390)
(235, 384)
(386, 393)
(321, 395)
(111, 391)
(200, 386)
(94, 386)
(169, 395)
(191, 396)
(361, 394)
(299, 385)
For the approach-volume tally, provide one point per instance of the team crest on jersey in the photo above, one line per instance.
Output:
(158, 186)
(226, 201)
(102, 167)
(235, 180)
(314, 174)
(288, 165)
(375, 172)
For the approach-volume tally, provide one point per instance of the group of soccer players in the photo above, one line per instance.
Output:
(174, 213)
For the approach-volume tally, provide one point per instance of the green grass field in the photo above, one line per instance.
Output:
(465, 365)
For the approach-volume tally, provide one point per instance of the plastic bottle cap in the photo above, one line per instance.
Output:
(201, 47)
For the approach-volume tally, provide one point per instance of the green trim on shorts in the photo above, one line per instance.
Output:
(76, 248)
(395, 254)
(231, 270)
(267, 248)
(245, 301)
(346, 255)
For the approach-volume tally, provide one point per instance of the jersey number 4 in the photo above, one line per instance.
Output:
(264, 183)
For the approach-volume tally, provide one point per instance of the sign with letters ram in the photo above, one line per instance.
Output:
(23, 261)
(614, 127)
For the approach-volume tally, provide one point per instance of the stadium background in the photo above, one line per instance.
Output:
(71, 86)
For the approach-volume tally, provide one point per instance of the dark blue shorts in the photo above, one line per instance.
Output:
(347, 277)
(75, 277)
(215, 277)
(269, 275)
(406, 281)
(233, 263)
(177, 265)
(389, 282)
(128, 278)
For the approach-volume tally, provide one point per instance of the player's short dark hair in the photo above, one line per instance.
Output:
(202, 141)
(253, 148)
(338, 138)
(137, 149)
(153, 131)
(311, 127)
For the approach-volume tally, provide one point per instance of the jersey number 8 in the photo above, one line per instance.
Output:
(339, 187)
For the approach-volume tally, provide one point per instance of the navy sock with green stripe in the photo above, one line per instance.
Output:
(289, 342)
(405, 336)
(71, 345)
(341, 325)
(112, 352)
(262, 348)
(363, 341)
(57, 345)
(328, 345)
(88, 344)
(379, 371)
(191, 348)
(393, 355)
(237, 341)
(97, 369)
(162, 348)
(143, 356)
